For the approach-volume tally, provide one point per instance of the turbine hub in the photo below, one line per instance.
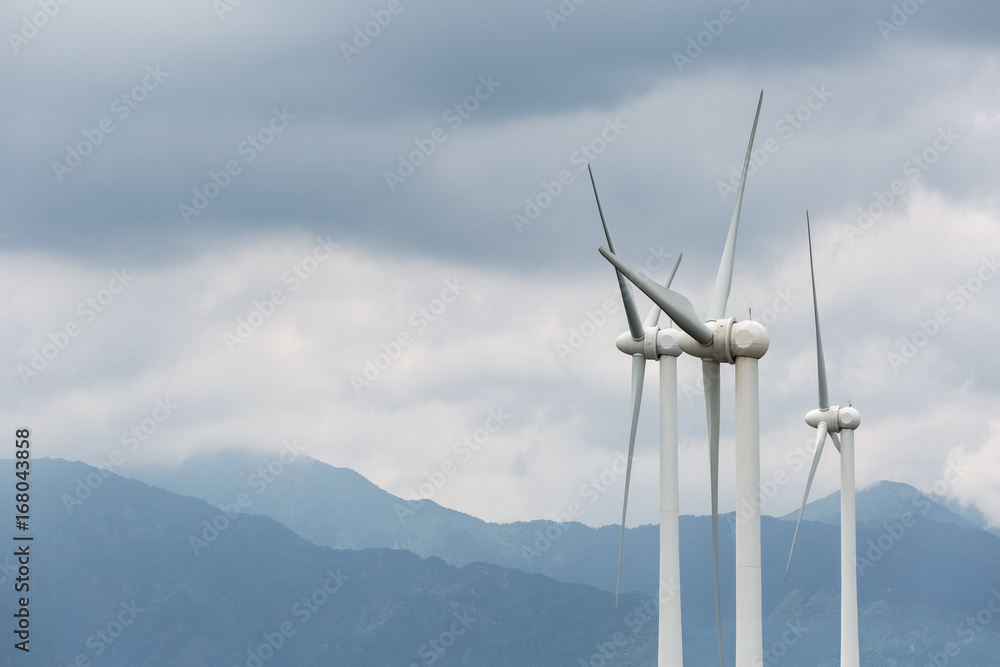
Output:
(837, 418)
(815, 417)
(654, 344)
(629, 345)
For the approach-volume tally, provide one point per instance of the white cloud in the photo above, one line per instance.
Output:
(493, 347)
(495, 344)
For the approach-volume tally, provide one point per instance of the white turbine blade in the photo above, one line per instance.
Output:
(654, 314)
(724, 279)
(673, 272)
(836, 440)
(820, 439)
(638, 373)
(653, 317)
(631, 312)
(824, 396)
(675, 305)
(710, 375)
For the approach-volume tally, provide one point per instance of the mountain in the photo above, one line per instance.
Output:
(885, 501)
(126, 574)
(923, 569)
(339, 508)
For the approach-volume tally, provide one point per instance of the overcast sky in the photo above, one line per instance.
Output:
(217, 216)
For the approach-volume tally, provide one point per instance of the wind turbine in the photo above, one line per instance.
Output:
(715, 340)
(644, 341)
(835, 419)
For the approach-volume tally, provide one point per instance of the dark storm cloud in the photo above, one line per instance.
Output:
(224, 73)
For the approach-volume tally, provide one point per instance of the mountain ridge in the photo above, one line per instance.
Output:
(201, 586)
(129, 542)
(368, 516)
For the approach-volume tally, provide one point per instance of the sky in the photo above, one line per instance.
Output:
(368, 228)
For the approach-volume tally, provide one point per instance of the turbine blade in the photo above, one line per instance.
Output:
(710, 375)
(653, 317)
(824, 396)
(654, 314)
(724, 279)
(836, 440)
(631, 312)
(675, 305)
(820, 439)
(638, 372)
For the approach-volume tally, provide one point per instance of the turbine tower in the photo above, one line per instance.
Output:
(835, 419)
(644, 341)
(715, 340)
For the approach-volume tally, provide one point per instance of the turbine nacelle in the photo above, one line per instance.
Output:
(835, 417)
(730, 339)
(655, 343)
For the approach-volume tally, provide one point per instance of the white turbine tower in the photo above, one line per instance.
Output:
(716, 340)
(835, 419)
(644, 341)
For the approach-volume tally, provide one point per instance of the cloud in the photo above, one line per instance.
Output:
(889, 142)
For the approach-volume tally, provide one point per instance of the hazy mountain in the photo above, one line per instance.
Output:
(924, 569)
(130, 575)
(339, 508)
(884, 501)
